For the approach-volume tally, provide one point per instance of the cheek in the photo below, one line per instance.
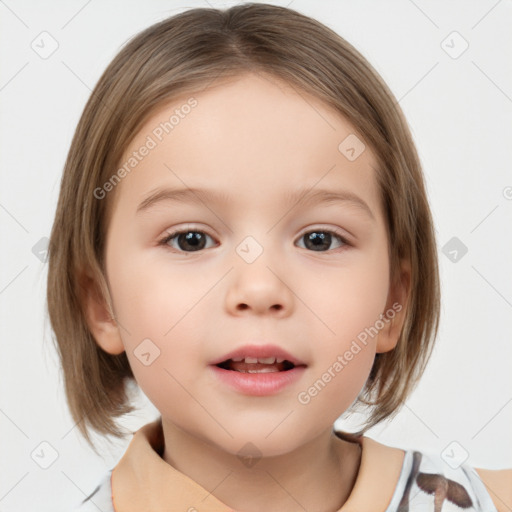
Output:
(335, 388)
(152, 299)
(347, 303)
(347, 300)
(161, 327)
(161, 331)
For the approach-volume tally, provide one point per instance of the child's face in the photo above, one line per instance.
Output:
(256, 280)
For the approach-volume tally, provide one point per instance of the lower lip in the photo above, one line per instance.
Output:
(259, 384)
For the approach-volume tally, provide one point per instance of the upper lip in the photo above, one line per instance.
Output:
(259, 351)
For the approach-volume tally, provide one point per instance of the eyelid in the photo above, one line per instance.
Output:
(342, 234)
(190, 227)
(171, 233)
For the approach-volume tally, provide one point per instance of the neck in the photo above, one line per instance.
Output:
(322, 471)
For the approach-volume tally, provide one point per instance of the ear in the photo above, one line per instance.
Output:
(99, 318)
(397, 303)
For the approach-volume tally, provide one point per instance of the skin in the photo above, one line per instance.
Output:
(256, 139)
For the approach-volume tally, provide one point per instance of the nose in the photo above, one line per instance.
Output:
(260, 289)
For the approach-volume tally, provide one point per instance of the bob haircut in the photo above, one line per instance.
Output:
(184, 54)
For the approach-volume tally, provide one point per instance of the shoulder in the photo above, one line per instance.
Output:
(430, 482)
(499, 485)
(100, 498)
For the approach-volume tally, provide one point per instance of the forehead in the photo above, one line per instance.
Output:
(253, 135)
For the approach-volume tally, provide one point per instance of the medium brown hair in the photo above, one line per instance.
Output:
(183, 54)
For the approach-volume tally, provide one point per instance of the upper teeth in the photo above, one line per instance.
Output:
(261, 360)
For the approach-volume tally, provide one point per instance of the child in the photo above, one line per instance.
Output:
(243, 230)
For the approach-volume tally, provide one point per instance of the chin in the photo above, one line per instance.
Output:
(261, 442)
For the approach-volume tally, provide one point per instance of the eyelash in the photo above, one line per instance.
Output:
(164, 241)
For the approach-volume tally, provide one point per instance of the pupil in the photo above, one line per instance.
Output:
(193, 240)
(318, 240)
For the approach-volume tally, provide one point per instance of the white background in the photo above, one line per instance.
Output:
(460, 112)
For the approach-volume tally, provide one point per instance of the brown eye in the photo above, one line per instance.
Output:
(320, 240)
(186, 240)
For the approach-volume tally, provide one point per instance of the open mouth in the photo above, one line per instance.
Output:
(256, 365)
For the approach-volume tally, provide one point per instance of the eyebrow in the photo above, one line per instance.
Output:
(304, 196)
